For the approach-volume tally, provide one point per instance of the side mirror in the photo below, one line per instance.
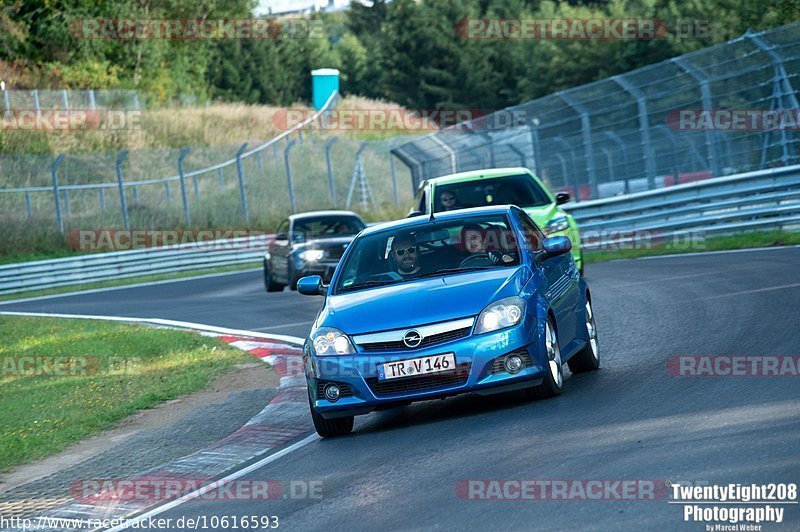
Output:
(281, 236)
(562, 198)
(556, 245)
(311, 286)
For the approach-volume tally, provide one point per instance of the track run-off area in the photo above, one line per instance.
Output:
(653, 416)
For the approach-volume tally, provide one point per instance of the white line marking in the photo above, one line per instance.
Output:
(163, 322)
(122, 287)
(720, 252)
(214, 485)
(754, 291)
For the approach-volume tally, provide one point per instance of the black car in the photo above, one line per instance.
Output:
(310, 243)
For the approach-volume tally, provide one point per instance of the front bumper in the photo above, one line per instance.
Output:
(478, 371)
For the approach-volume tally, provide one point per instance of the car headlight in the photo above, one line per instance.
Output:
(312, 255)
(503, 313)
(329, 341)
(556, 224)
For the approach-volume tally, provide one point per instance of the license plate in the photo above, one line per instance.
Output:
(417, 366)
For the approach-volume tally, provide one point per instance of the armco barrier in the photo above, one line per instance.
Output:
(69, 271)
(766, 199)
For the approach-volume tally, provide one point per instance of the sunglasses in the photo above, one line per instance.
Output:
(400, 252)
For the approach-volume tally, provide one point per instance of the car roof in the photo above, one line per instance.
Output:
(406, 223)
(316, 214)
(490, 173)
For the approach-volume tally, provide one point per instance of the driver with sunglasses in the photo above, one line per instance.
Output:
(405, 255)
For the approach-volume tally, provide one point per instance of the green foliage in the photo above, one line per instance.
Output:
(406, 51)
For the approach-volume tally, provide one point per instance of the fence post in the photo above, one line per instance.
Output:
(332, 189)
(102, 193)
(196, 186)
(54, 175)
(36, 101)
(28, 207)
(533, 125)
(6, 100)
(586, 128)
(240, 173)
(122, 202)
(259, 164)
(186, 215)
(393, 166)
(168, 191)
(221, 176)
(64, 99)
(289, 173)
(92, 103)
(708, 104)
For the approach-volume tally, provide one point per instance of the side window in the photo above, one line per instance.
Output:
(533, 235)
(422, 206)
(283, 227)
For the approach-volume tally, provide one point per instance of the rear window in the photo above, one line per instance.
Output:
(519, 190)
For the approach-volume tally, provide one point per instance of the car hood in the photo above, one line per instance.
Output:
(324, 243)
(420, 302)
(542, 215)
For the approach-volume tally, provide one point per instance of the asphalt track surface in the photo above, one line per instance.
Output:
(632, 420)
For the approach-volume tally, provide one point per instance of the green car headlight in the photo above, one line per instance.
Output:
(556, 224)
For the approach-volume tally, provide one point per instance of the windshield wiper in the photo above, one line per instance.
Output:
(368, 284)
(448, 271)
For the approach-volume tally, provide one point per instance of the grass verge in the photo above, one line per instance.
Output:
(64, 380)
(754, 239)
(127, 281)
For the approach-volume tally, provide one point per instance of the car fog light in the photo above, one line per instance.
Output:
(513, 364)
(332, 393)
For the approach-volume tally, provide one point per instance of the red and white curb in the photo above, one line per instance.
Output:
(283, 420)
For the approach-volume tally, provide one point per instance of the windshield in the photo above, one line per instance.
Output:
(326, 227)
(520, 190)
(433, 249)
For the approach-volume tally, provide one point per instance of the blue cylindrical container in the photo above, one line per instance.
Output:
(324, 82)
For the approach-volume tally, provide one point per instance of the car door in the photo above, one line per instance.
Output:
(280, 252)
(562, 282)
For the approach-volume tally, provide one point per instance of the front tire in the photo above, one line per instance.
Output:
(269, 284)
(330, 428)
(588, 358)
(553, 382)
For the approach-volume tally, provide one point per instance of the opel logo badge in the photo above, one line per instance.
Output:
(412, 338)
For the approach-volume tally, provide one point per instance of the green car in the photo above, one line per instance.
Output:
(500, 186)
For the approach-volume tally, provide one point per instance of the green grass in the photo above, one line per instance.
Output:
(754, 239)
(131, 280)
(118, 369)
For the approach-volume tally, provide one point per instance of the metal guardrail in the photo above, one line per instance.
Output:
(766, 199)
(68, 271)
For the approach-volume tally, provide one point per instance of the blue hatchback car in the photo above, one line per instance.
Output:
(474, 300)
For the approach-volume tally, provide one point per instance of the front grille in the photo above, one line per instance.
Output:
(344, 390)
(427, 341)
(497, 365)
(334, 253)
(421, 383)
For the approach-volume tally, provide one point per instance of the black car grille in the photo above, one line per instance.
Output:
(421, 383)
(334, 253)
(344, 390)
(426, 342)
(497, 365)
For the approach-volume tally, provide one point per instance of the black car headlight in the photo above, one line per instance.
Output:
(328, 341)
(311, 255)
(501, 314)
